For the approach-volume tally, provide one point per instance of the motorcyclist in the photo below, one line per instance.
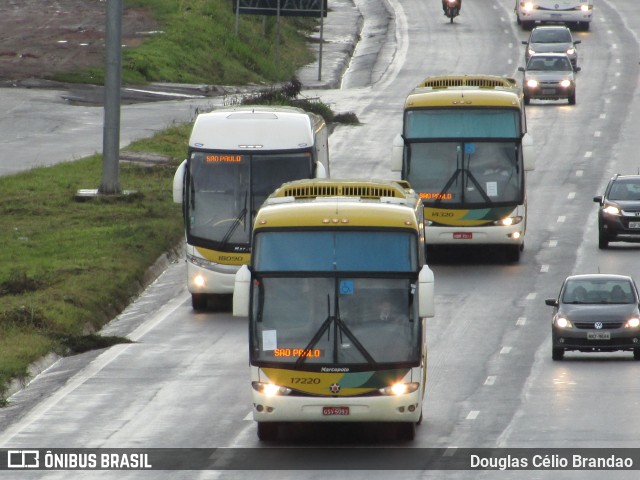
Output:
(445, 3)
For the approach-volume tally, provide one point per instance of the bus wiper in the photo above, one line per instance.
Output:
(318, 335)
(448, 185)
(340, 328)
(236, 222)
(485, 197)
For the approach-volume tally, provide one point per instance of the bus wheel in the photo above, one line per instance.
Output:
(406, 431)
(513, 253)
(221, 302)
(267, 431)
(199, 301)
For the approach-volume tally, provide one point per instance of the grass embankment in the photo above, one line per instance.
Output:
(197, 43)
(67, 267)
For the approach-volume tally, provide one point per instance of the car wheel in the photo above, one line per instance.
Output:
(603, 240)
(527, 100)
(572, 99)
(636, 353)
(557, 353)
(527, 25)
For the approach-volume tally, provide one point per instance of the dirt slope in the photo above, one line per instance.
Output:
(39, 38)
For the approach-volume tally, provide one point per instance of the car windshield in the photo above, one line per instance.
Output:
(625, 190)
(551, 64)
(551, 36)
(599, 291)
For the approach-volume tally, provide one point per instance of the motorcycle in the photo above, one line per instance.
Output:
(452, 9)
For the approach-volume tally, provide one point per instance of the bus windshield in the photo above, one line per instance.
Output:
(465, 174)
(461, 123)
(326, 251)
(225, 189)
(307, 321)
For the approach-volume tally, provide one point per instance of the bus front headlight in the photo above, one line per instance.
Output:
(400, 388)
(270, 389)
(507, 221)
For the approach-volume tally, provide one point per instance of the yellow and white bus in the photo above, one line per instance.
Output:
(236, 158)
(465, 148)
(337, 295)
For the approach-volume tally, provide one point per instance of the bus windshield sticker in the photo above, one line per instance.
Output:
(492, 189)
(269, 340)
(469, 148)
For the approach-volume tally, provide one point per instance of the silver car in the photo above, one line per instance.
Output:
(549, 76)
(552, 39)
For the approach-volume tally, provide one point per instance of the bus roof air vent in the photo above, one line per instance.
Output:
(481, 81)
(348, 188)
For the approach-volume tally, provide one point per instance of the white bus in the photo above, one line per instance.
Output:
(236, 158)
(578, 13)
(337, 298)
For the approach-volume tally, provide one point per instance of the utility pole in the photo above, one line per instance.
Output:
(112, 84)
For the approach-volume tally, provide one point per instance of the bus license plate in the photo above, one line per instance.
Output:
(462, 235)
(634, 224)
(335, 410)
(598, 336)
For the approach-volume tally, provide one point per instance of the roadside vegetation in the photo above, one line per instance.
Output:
(197, 43)
(69, 267)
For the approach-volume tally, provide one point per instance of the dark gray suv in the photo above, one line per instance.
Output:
(619, 212)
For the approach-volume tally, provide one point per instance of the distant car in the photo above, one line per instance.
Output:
(576, 13)
(595, 313)
(549, 76)
(556, 39)
(619, 212)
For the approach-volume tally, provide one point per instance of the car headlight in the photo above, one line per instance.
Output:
(505, 222)
(571, 51)
(400, 388)
(563, 322)
(585, 8)
(565, 83)
(531, 83)
(632, 323)
(270, 389)
(611, 210)
(527, 6)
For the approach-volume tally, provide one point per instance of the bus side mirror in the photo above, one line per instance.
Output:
(397, 152)
(426, 303)
(528, 154)
(178, 183)
(321, 172)
(241, 292)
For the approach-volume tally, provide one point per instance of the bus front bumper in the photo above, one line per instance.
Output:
(513, 235)
(288, 408)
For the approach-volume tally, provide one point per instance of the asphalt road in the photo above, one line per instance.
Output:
(491, 380)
